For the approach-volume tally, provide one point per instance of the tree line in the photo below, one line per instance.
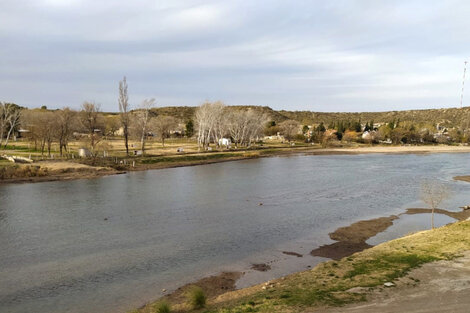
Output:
(212, 121)
(44, 127)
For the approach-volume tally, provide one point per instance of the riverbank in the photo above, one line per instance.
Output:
(436, 287)
(356, 273)
(348, 280)
(57, 170)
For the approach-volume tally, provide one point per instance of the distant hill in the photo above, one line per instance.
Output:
(447, 117)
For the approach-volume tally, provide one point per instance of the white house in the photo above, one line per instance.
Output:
(225, 142)
(366, 135)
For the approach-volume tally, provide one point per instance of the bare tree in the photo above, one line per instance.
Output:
(4, 116)
(142, 121)
(433, 193)
(112, 124)
(163, 125)
(27, 122)
(256, 123)
(42, 128)
(91, 122)
(13, 121)
(209, 117)
(245, 126)
(124, 109)
(202, 116)
(289, 129)
(9, 120)
(64, 124)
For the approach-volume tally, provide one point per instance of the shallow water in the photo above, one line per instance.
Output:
(168, 227)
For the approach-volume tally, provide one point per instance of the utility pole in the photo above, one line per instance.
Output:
(463, 83)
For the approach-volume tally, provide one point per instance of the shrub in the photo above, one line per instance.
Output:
(299, 137)
(16, 171)
(161, 307)
(196, 297)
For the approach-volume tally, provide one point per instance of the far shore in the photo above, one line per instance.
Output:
(62, 170)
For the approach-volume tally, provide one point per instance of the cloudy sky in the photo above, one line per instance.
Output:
(296, 55)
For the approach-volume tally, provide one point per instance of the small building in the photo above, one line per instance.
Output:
(369, 135)
(84, 153)
(225, 142)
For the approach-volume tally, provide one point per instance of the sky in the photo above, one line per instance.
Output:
(351, 55)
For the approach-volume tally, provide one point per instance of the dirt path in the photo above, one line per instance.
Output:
(442, 286)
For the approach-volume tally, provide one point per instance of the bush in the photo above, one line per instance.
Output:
(16, 171)
(161, 307)
(196, 297)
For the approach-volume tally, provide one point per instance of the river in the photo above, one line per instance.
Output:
(110, 244)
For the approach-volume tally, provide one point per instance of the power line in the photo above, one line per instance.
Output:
(463, 83)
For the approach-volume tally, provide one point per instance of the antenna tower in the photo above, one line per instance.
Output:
(463, 83)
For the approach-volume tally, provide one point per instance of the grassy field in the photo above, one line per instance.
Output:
(115, 147)
(329, 283)
(156, 156)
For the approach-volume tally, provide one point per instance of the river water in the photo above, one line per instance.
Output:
(111, 244)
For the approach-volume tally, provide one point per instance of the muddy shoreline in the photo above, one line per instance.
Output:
(352, 238)
(348, 240)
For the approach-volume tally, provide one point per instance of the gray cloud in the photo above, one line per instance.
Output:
(295, 55)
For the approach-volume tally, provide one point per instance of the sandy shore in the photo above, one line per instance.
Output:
(401, 149)
(463, 178)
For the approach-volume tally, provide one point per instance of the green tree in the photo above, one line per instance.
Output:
(357, 127)
(189, 128)
(321, 128)
(305, 129)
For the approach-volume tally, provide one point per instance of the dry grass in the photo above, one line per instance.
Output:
(21, 171)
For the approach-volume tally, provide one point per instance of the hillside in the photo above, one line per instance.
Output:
(448, 117)
(186, 113)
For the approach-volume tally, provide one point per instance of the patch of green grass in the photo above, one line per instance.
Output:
(196, 297)
(399, 264)
(187, 158)
(161, 307)
(19, 148)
